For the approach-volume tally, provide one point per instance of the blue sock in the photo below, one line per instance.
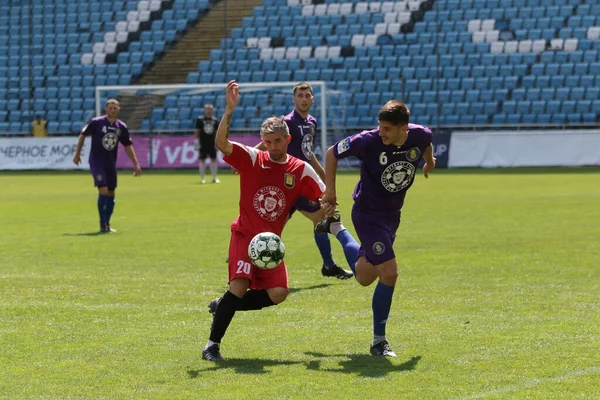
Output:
(382, 302)
(110, 206)
(102, 207)
(350, 247)
(324, 245)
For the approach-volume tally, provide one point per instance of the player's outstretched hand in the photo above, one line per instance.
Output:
(232, 94)
(76, 159)
(234, 171)
(427, 168)
(137, 170)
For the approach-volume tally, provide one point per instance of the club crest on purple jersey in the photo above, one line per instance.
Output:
(378, 248)
(397, 176)
(109, 141)
(413, 154)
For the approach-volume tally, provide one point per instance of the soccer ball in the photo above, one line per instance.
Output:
(266, 250)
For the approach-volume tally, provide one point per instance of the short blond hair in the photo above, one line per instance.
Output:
(273, 125)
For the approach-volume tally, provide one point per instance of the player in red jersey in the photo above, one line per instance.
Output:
(270, 183)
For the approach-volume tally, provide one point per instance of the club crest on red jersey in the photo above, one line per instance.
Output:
(289, 181)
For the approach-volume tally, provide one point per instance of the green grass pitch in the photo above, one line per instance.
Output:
(498, 295)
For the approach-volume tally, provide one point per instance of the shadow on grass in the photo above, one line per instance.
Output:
(97, 233)
(360, 364)
(363, 364)
(320, 286)
(242, 366)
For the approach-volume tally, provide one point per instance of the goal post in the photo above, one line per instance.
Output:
(151, 109)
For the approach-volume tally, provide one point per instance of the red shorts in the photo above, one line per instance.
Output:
(240, 266)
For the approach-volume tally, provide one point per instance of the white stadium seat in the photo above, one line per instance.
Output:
(474, 25)
(321, 52)
(346, 9)
(155, 5)
(110, 37)
(133, 26)
(278, 53)
(571, 44)
(305, 52)
(252, 42)
(593, 32)
(86, 58)
(556, 44)
(333, 8)
(144, 16)
(525, 46)
(99, 58)
(380, 28)
(334, 51)
(400, 6)
(264, 42)
(404, 17)
(110, 48)
(121, 26)
(497, 47)
(488, 24)
(374, 7)
(511, 46)
(390, 17)
(143, 5)
(361, 8)
(357, 40)
(387, 6)
(371, 40)
(478, 37)
(393, 28)
(292, 52)
(133, 16)
(308, 10)
(538, 46)
(98, 47)
(266, 53)
(320, 9)
(414, 5)
(492, 36)
(122, 37)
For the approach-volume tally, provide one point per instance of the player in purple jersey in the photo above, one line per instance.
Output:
(106, 132)
(303, 129)
(390, 155)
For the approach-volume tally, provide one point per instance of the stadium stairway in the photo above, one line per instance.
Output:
(197, 43)
(183, 58)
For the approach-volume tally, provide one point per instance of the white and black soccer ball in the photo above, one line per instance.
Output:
(266, 250)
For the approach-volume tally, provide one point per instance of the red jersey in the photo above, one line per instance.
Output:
(269, 189)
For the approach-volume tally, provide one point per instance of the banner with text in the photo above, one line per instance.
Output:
(40, 153)
(173, 151)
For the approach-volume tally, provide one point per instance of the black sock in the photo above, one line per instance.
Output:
(223, 316)
(255, 300)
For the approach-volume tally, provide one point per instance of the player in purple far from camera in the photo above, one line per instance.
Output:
(390, 155)
(106, 132)
(303, 129)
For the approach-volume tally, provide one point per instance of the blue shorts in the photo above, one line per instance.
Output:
(104, 176)
(306, 205)
(376, 233)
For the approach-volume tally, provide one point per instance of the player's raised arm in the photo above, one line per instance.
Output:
(232, 94)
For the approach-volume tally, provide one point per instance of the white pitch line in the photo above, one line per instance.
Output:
(533, 382)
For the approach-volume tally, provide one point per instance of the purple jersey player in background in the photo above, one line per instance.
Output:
(390, 155)
(303, 130)
(106, 133)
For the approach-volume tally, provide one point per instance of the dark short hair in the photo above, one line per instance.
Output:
(395, 112)
(303, 86)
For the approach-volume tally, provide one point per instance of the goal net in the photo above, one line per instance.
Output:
(172, 109)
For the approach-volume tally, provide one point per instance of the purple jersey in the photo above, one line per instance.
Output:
(105, 138)
(387, 171)
(303, 132)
